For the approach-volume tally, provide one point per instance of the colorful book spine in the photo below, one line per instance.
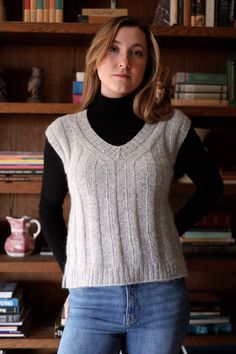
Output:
(33, 10)
(52, 11)
(26, 10)
(14, 301)
(59, 11)
(39, 11)
(46, 7)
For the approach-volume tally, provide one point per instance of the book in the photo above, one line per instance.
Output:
(13, 301)
(7, 289)
(200, 95)
(200, 13)
(210, 13)
(210, 319)
(33, 10)
(199, 78)
(52, 11)
(59, 11)
(104, 11)
(198, 102)
(39, 11)
(46, 7)
(26, 10)
(193, 12)
(208, 232)
(187, 13)
(11, 318)
(210, 328)
(231, 77)
(181, 87)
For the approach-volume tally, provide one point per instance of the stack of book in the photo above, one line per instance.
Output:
(14, 313)
(43, 11)
(78, 87)
(100, 15)
(207, 315)
(21, 165)
(200, 89)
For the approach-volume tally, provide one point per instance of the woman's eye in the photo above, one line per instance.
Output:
(137, 53)
(113, 49)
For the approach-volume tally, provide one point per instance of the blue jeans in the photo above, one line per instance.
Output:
(148, 318)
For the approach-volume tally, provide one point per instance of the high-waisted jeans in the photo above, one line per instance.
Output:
(146, 318)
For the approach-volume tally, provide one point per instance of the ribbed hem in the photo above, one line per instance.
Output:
(108, 276)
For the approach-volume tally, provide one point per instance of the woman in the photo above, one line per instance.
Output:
(121, 256)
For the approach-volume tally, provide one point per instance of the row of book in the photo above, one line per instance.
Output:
(20, 163)
(14, 312)
(207, 315)
(43, 11)
(210, 13)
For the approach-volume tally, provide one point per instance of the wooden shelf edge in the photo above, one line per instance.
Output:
(29, 264)
(37, 108)
(212, 340)
(25, 108)
(69, 28)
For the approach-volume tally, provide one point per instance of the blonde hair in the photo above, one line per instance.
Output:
(151, 101)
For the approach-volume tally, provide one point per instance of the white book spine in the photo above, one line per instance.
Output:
(173, 12)
(210, 13)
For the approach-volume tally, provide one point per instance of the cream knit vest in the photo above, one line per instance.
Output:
(121, 227)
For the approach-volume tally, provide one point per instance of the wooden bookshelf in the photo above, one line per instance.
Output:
(60, 49)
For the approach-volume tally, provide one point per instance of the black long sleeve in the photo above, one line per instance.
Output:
(195, 162)
(54, 190)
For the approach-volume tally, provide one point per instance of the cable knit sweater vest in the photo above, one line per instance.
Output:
(121, 227)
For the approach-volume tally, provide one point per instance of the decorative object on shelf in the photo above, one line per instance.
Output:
(2, 11)
(3, 88)
(34, 84)
(20, 242)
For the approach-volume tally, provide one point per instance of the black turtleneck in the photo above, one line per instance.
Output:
(114, 121)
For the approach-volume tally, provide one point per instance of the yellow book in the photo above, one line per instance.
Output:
(33, 10)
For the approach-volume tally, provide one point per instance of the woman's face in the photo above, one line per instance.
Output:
(122, 69)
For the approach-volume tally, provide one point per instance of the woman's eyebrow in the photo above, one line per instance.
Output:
(133, 45)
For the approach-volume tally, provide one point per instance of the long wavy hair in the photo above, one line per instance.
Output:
(152, 99)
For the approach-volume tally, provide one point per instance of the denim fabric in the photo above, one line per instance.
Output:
(149, 318)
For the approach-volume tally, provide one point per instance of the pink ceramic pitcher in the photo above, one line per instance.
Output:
(20, 242)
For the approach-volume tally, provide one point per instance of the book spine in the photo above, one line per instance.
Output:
(187, 13)
(201, 95)
(8, 318)
(179, 87)
(210, 13)
(180, 12)
(193, 12)
(46, 6)
(26, 11)
(9, 309)
(177, 102)
(39, 11)
(105, 11)
(59, 11)
(200, 78)
(200, 13)
(9, 302)
(33, 10)
(215, 219)
(52, 11)
(223, 13)
(173, 12)
(231, 82)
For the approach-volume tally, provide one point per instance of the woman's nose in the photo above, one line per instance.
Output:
(124, 61)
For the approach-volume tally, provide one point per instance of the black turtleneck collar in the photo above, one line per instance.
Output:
(113, 119)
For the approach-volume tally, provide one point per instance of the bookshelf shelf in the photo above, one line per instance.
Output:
(73, 28)
(31, 187)
(19, 108)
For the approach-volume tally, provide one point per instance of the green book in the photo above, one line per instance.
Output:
(200, 78)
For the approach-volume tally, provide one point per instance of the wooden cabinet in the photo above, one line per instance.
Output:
(60, 49)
